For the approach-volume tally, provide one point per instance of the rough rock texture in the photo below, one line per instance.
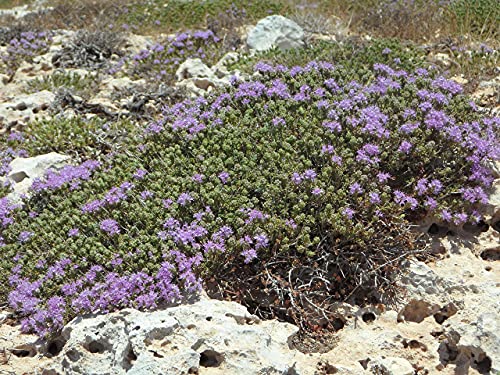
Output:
(275, 31)
(23, 108)
(198, 78)
(24, 170)
(205, 337)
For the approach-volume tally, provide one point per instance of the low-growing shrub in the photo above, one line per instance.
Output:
(352, 54)
(89, 49)
(78, 137)
(159, 62)
(80, 85)
(302, 183)
(24, 48)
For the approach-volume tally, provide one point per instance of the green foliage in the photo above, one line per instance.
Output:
(84, 86)
(181, 15)
(478, 17)
(352, 55)
(263, 142)
(76, 136)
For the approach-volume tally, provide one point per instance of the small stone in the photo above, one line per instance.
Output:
(275, 31)
(391, 366)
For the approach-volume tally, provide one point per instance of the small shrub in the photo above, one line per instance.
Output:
(24, 48)
(89, 49)
(159, 62)
(85, 86)
(76, 136)
(310, 174)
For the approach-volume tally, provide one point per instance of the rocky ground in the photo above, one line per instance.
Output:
(445, 322)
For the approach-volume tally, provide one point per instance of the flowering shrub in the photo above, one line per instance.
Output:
(304, 174)
(24, 48)
(160, 61)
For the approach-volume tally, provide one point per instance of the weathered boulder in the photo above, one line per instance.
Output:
(221, 337)
(391, 366)
(275, 31)
(24, 108)
(23, 171)
(198, 78)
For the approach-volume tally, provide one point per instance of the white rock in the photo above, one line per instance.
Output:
(275, 31)
(391, 366)
(24, 170)
(193, 68)
(198, 78)
(207, 335)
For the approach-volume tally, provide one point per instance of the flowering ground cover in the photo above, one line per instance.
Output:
(313, 172)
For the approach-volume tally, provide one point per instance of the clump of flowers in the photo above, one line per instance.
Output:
(25, 48)
(160, 60)
(251, 181)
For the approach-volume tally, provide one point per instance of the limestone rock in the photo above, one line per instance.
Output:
(24, 108)
(275, 31)
(198, 78)
(391, 366)
(23, 171)
(193, 68)
(208, 335)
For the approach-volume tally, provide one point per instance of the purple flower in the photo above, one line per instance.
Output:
(296, 178)
(291, 223)
(249, 254)
(146, 194)
(405, 147)
(261, 241)
(140, 173)
(25, 236)
(309, 174)
(374, 197)
(431, 203)
(333, 126)
(198, 178)
(368, 154)
(355, 188)
(348, 212)
(184, 199)
(327, 149)
(459, 218)
(277, 121)
(73, 232)
(383, 177)
(110, 226)
(436, 186)
(436, 119)
(317, 191)
(337, 160)
(446, 215)
(224, 177)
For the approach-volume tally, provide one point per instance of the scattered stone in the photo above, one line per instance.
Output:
(442, 59)
(23, 171)
(391, 366)
(198, 78)
(25, 107)
(275, 31)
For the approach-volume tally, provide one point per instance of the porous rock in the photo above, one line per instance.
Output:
(26, 107)
(23, 171)
(208, 335)
(391, 366)
(275, 31)
(198, 78)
